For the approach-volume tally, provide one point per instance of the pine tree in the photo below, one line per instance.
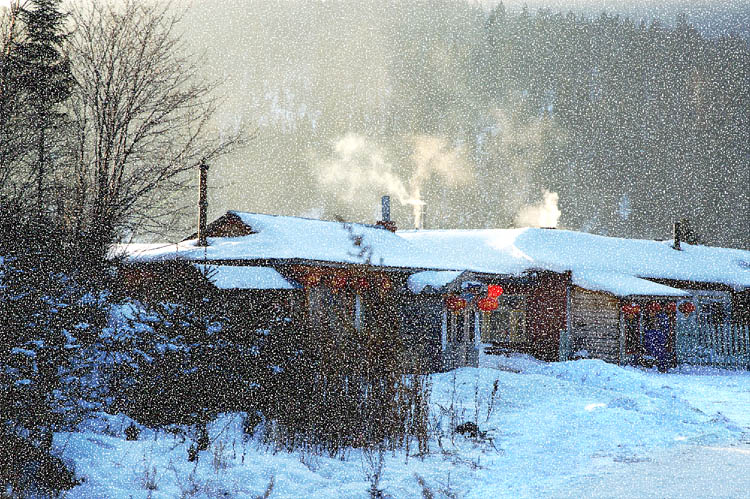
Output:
(12, 129)
(46, 80)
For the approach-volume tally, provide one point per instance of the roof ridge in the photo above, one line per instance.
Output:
(239, 213)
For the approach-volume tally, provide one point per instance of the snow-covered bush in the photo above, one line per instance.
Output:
(51, 311)
(48, 317)
(166, 363)
(332, 390)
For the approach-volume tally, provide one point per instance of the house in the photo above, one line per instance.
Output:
(458, 295)
(618, 293)
(332, 274)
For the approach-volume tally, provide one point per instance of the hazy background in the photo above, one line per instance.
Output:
(612, 124)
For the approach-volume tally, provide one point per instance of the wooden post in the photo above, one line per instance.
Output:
(202, 203)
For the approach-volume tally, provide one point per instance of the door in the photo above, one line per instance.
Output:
(455, 347)
(461, 339)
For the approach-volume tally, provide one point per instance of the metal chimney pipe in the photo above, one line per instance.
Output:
(422, 212)
(202, 203)
(386, 222)
(386, 208)
(677, 235)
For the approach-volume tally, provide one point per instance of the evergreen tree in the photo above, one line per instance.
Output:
(45, 77)
(12, 125)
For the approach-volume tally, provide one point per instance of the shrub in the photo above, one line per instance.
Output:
(166, 364)
(30, 470)
(334, 389)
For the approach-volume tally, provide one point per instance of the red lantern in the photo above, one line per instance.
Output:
(360, 283)
(310, 277)
(653, 307)
(455, 303)
(671, 307)
(631, 310)
(494, 290)
(487, 304)
(338, 280)
(687, 308)
(384, 283)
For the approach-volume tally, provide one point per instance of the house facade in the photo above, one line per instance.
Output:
(461, 296)
(625, 301)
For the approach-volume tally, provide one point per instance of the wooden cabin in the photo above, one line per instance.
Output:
(564, 294)
(607, 298)
(447, 309)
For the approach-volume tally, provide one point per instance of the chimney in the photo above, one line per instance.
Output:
(202, 203)
(385, 222)
(420, 224)
(677, 235)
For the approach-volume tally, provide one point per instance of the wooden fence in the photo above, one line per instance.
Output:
(706, 344)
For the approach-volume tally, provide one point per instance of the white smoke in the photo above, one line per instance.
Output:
(359, 171)
(359, 165)
(544, 214)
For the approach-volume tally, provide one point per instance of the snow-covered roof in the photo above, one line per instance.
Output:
(277, 237)
(623, 285)
(615, 265)
(245, 277)
(433, 278)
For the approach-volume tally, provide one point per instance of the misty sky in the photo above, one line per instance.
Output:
(338, 124)
(317, 81)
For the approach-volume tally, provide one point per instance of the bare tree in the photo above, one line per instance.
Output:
(144, 117)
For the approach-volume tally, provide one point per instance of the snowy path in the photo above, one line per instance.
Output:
(572, 429)
(706, 471)
(690, 471)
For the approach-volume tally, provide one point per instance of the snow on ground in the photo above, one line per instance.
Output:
(583, 428)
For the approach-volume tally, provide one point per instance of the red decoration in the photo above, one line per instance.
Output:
(359, 283)
(487, 304)
(338, 280)
(653, 307)
(671, 307)
(631, 309)
(310, 277)
(455, 303)
(384, 282)
(687, 308)
(494, 290)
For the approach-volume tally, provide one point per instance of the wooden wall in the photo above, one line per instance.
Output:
(546, 314)
(595, 324)
(421, 327)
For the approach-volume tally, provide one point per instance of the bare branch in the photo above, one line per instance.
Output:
(144, 116)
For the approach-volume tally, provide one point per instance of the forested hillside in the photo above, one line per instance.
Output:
(634, 120)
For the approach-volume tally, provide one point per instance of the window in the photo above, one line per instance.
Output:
(507, 324)
(712, 312)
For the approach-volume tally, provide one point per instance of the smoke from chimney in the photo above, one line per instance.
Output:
(544, 214)
(359, 168)
(418, 207)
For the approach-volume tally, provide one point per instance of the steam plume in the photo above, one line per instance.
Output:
(544, 214)
(359, 171)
